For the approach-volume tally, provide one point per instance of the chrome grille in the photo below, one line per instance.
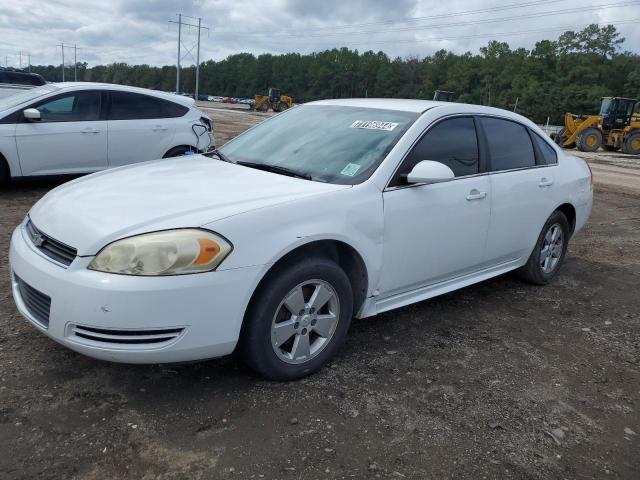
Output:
(37, 303)
(126, 337)
(51, 247)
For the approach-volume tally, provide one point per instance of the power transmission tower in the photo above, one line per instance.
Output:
(189, 51)
(75, 61)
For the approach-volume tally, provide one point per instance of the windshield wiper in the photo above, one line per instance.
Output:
(276, 169)
(219, 154)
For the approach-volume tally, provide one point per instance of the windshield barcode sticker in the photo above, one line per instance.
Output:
(374, 125)
(350, 170)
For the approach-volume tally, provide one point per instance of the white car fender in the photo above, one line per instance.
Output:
(280, 229)
(9, 149)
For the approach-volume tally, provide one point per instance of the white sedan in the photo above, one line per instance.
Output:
(332, 210)
(73, 128)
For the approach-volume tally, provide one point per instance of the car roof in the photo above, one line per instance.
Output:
(421, 106)
(172, 97)
(405, 105)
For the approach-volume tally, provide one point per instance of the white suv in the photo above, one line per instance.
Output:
(70, 128)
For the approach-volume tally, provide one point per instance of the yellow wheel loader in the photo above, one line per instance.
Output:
(274, 101)
(616, 127)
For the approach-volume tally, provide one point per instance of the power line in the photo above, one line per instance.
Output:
(489, 35)
(477, 22)
(405, 20)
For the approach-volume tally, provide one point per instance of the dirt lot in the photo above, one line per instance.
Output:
(499, 380)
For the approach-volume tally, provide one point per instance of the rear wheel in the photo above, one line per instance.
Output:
(297, 320)
(264, 107)
(589, 140)
(632, 144)
(177, 152)
(549, 252)
(4, 172)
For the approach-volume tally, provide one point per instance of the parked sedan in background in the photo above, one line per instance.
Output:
(71, 128)
(331, 210)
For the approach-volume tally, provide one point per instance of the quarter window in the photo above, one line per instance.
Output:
(132, 106)
(549, 156)
(509, 144)
(452, 142)
(76, 107)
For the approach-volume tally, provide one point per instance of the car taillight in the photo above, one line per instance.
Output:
(207, 123)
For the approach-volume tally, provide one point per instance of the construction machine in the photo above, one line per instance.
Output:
(616, 127)
(444, 96)
(274, 101)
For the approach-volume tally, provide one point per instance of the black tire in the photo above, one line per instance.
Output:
(631, 144)
(610, 148)
(589, 140)
(532, 271)
(4, 172)
(177, 152)
(264, 107)
(282, 107)
(255, 346)
(561, 137)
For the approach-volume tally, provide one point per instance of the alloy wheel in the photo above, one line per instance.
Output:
(305, 321)
(552, 248)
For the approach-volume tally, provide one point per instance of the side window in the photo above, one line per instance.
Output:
(549, 156)
(509, 144)
(133, 106)
(452, 142)
(75, 107)
(174, 110)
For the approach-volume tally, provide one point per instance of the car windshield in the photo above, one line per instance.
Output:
(328, 143)
(25, 96)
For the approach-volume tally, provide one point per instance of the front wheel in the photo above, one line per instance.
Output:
(631, 144)
(297, 320)
(549, 252)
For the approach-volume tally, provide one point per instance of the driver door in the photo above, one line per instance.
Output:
(436, 232)
(69, 138)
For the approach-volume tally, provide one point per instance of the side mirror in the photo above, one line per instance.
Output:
(32, 114)
(428, 171)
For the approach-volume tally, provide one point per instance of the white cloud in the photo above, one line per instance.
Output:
(137, 31)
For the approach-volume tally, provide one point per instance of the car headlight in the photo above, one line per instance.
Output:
(169, 252)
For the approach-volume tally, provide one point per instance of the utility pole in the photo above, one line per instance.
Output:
(20, 61)
(62, 45)
(188, 51)
(75, 63)
(198, 61)
(179, 41)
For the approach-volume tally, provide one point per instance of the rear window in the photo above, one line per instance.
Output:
(509, 144)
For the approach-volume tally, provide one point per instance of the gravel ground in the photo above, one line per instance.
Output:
(498, 380)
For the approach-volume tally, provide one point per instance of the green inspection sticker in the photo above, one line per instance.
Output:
(350, 170)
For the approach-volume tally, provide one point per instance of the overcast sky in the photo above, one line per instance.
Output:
(137, 31)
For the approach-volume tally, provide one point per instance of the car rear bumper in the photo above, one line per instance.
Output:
(130, 319)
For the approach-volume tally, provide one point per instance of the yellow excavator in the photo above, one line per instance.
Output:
(617, 127)
(274, 101)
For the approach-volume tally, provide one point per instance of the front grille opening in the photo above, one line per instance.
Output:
(51, 247)
(38, 304)
(126, 337)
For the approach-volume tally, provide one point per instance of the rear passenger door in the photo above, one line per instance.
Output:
(139, 128)
(438, 231)
(522, 170)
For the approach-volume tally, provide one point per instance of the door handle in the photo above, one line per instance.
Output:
(159, 128)
(544, 182)
(90, 130)
(476, 194)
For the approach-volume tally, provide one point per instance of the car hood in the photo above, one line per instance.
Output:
(89, 212)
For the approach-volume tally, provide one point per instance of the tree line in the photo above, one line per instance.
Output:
(570, 73)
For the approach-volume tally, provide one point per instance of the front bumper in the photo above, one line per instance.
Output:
(127, 319)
